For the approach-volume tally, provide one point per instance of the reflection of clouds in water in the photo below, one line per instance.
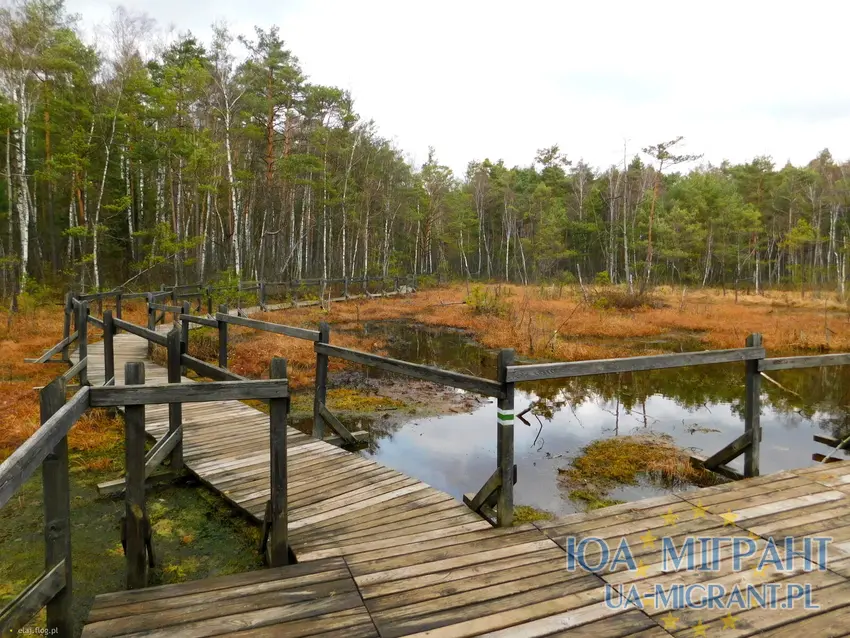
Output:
(456, 453)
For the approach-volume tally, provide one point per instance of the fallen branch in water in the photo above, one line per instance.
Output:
(779, 385)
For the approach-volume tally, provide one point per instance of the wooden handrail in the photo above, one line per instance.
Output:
(419, 371)
(538, 371)
(289, 331)
(155, 394)
(132, 328)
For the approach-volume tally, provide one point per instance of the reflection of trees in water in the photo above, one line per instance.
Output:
(824, 392)
(821, 393)
(380, 429)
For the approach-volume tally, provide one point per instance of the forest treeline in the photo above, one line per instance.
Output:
(150, 159)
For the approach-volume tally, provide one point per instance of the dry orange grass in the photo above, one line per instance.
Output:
(568, 328)
(26, 335)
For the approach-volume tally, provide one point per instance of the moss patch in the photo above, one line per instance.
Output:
(195, 535)
(608, 463)
(592, 500)
(349, 400)
(527, 514)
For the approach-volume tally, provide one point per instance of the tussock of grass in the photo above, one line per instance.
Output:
(608, 463)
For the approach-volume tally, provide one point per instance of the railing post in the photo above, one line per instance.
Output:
(66, 325)
(108, 347)
(136, 525)
(57, 513)
(345, 288)
(752, 409)
(175, 410)
(505, 441)
(83, 338)
(278, 414)
(184, 333)
(151, 320)
(262, 295)
(321, 393)
(209, 301)
(222, 339)
(396, 284)
(118, 298)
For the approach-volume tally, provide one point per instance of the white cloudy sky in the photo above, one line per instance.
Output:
(501, 79)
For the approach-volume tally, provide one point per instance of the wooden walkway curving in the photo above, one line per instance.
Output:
(383, 554)
(336, 498)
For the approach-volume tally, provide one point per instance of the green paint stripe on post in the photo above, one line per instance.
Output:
(504, 416)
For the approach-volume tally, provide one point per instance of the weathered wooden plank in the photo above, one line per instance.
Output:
(189, 392)
(21, 464)
(418, 371)
(29, 602)
(631, 364)
(814, 361)
(95, 321)
(289, 331)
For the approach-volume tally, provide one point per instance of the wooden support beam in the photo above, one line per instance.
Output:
(730, 452)
(336, 425)
(723, 470)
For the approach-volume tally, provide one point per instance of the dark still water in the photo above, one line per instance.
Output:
(700, 407)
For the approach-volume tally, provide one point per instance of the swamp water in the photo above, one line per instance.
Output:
(699, 407)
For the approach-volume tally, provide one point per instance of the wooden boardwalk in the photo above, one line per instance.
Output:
(383, 554)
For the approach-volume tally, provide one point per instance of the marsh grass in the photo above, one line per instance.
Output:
(627, 460)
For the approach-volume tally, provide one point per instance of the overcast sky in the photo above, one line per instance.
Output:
(502, 79)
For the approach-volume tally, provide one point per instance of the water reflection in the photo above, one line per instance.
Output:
(700, 407)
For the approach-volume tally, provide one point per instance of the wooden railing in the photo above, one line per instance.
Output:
(48, 448)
